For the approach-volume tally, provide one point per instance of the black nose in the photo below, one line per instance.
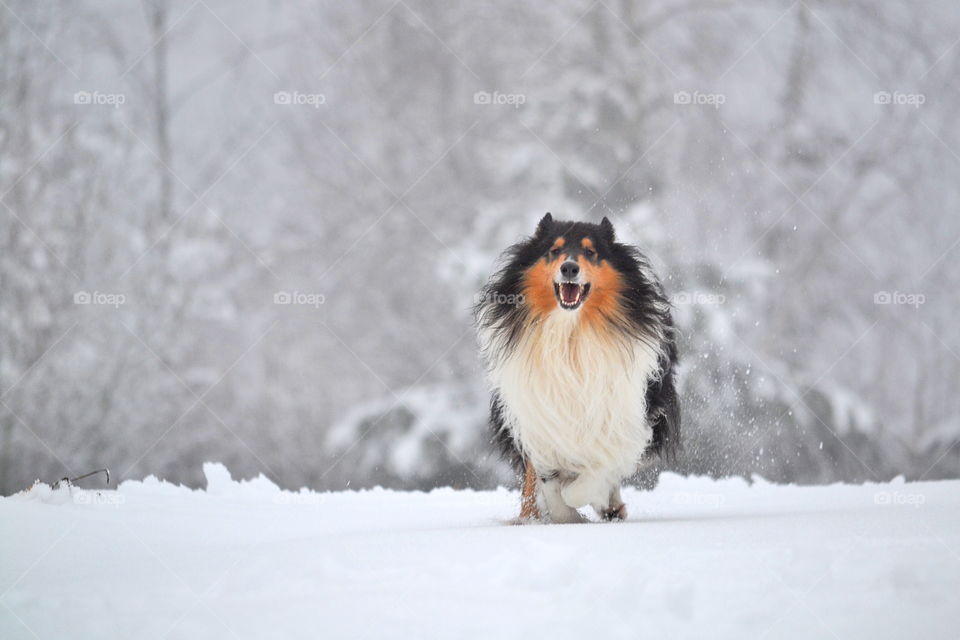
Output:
(569, 269)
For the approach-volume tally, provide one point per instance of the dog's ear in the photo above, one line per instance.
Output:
(543, 227)
(607, 228)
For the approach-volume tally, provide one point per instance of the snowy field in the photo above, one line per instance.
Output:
(697, 558)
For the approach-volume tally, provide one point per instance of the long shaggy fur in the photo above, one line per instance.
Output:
(585, 392)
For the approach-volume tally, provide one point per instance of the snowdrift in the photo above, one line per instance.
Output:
(697, 558)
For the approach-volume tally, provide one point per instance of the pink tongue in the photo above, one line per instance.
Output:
(569, 293)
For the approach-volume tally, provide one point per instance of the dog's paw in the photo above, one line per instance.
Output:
(614, 513)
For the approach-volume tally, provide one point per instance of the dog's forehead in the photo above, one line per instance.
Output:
(576, 234)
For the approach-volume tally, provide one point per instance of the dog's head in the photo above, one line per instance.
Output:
(573, 270)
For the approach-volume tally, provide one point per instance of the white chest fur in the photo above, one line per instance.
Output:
(574, 397)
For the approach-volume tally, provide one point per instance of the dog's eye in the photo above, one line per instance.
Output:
(555, 251)
(589, 253)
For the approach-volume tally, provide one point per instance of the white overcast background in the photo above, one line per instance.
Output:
(252, 232)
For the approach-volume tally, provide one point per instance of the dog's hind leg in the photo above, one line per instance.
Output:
(528, 495)
(553, 505)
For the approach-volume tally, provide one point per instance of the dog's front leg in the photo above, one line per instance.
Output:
(587, 488)
(552, 503)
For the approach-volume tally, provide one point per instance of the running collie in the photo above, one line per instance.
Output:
(580, 348)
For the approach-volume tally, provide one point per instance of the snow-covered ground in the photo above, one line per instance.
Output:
(697, 558)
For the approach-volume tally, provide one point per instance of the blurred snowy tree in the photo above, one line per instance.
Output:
(787, 166)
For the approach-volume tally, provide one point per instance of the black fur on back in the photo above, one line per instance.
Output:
(646, 316)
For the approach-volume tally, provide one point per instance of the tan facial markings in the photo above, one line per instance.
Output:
(606, 285)
(557, 249)
(602, 303)
(604, 299)
(538, 288)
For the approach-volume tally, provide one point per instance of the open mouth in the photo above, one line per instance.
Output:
(570, 294)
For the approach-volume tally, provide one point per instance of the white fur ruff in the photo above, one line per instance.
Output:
(573, 400)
